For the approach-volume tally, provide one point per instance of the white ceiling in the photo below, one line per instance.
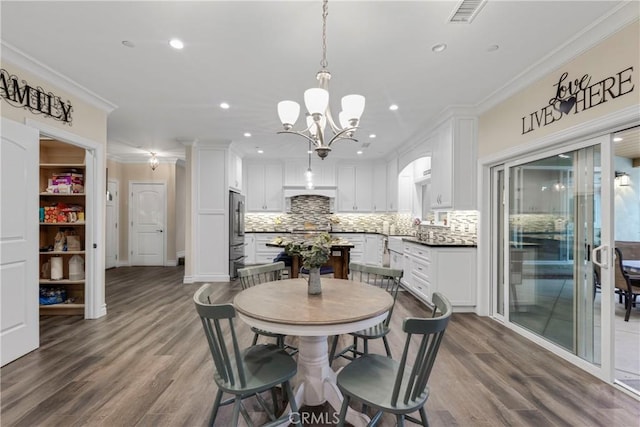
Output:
(254, 54)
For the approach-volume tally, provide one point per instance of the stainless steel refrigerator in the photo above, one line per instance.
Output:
(236, 233)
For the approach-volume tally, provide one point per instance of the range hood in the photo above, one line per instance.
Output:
(294, 191)
(324, 191)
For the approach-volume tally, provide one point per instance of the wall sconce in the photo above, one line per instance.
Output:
(623, 179)
(153, 161)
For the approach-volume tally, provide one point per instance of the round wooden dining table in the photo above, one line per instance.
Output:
(285, 307)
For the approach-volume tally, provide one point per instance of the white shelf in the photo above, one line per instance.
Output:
(61, 282)
(62, 165)
(63, 223)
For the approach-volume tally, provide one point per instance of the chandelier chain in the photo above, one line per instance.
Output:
(325, 11)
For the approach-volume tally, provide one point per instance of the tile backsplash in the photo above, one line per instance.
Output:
(314, 211)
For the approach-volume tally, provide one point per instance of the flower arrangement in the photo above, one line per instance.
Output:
(315, 252)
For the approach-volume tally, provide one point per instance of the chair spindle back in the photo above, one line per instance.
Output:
(382, 277)
(432, 331)
(226, 356)
(255, 275)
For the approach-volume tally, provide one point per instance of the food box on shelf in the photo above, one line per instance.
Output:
(51, 214)
(67, 182)
(62, 213)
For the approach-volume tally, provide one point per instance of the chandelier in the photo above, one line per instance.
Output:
(153, 161)
(318, 115)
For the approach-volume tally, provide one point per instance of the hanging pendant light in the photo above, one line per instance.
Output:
(308, 175)
(318, 114)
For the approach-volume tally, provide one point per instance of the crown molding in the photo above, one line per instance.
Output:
(20, 59)
(141, 159)
(617, 18)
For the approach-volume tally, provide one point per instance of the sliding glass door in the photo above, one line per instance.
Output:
(546, 215)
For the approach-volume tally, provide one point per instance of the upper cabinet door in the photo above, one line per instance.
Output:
(355, 188)
(264, 187)
(273, 188)
(379, 189)
(235, 171)
(392, 186)
(346, 188)
(453, 165)
(441, 167)
(364, 188)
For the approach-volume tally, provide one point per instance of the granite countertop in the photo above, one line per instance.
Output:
(442, 243)
(330, 232)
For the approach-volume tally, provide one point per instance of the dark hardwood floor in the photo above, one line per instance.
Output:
(147, 363)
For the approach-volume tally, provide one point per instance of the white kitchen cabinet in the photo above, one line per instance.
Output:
(373, 249)
(264, 187)
(379, 189)
(392, 185)
(235, 171)
(355, 188)
(265, 254)
(428, 269)
(396, 260)
(456, 276)
(324, 173)
(453, 165)
(356, 254)
(250, 248)
(405, 190)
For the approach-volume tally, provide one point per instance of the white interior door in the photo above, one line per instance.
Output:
(147, 212)
(111, 226)
(19, 156)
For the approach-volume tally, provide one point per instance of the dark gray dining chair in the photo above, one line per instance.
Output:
(384, 278)
(627, 285)
(243, 372)
(398, 387)
(255, 275)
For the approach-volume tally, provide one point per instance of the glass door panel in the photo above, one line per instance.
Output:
(552, 227)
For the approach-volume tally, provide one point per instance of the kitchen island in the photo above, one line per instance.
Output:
(339, 259)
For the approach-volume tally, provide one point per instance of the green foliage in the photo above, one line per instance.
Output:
(315, 252)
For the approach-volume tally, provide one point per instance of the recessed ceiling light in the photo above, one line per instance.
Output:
(224, 106)
(493, 48)
(128, 43)
(247, 134)
(309, 152)
(393, 107)
(359, 152)
(260, 151)
(373, 135)
(176, 43)
(437, 48)
(617, 139)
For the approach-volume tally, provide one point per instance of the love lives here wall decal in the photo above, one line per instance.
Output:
(574, 96)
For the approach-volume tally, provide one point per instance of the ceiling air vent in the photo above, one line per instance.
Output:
(466, 11)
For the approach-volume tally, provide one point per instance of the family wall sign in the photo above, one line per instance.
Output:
(20, 94)
(574, 95)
